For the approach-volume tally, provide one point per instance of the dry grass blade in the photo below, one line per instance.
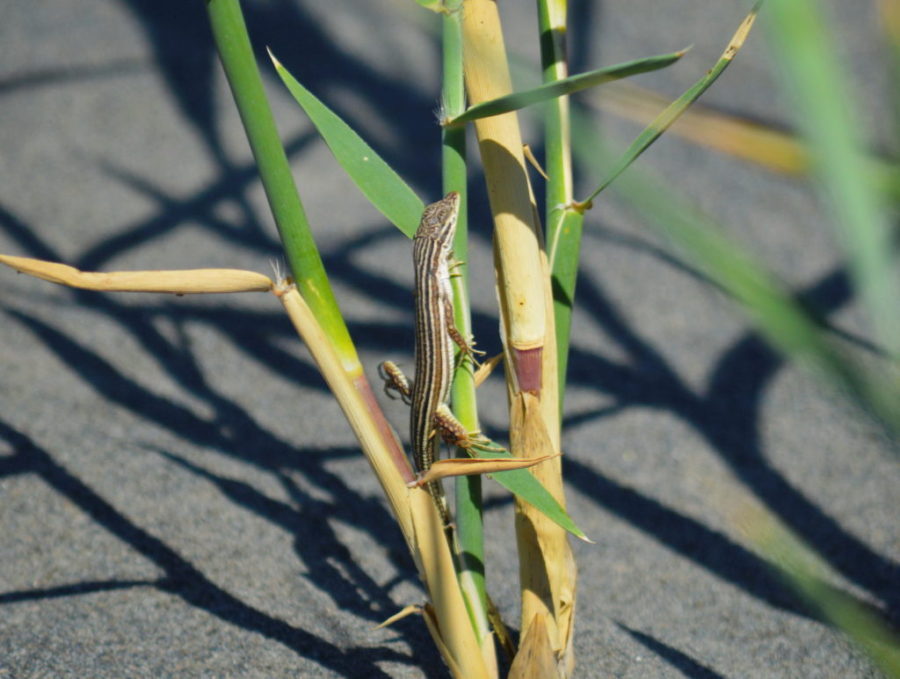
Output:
(180, 282)
(462, 466)
(738, 137)
(535, 659)
(405, 612)
(486, 368)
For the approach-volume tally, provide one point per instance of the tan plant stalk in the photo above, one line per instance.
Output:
(547, 568)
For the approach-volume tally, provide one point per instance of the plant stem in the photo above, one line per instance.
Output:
(469, 504)
(564, 225)
(233, 44)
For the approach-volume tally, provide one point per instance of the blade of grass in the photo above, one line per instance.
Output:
(653, 131)
(815, 81)
(178, 282)
(796, 564)
(378, 182)
(558, 88)
(565, 225)
(233, 44)
(778, 317)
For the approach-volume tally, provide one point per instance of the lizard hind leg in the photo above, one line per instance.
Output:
(454, 433)
(395, 381)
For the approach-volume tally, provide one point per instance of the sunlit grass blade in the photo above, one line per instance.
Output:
(775, 313)
(384, 188)
(178, 282)
(471, 466)
(558, 88)
(795, 563)
(653, 131)
(814, 78)
(525, 486)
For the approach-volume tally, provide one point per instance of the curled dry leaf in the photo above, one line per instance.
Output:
(406, 611)
(486, 368)
(464, 466)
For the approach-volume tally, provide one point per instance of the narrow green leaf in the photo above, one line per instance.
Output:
(813, 76)
(774, 312)
(523, 484)
(798, 565)
(559, 88)
(662, 122)
(384, 188)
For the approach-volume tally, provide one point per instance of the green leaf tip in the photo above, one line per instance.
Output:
(377, 180)
(525, 486)
(673, 111)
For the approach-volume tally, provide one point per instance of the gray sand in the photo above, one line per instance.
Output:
(179, 496)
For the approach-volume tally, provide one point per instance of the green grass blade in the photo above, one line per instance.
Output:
(558, 88)
(662, 122)
(813, 77)
(774, 312)
(384, 188)
(523, 484)
(797, 565)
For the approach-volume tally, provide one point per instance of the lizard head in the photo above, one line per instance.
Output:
(439, 219)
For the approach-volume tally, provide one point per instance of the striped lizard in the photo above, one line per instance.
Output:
(436, 335)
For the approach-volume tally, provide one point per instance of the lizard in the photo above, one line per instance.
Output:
(435, 337)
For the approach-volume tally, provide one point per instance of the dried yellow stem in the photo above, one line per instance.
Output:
(413, 507)
(449, 622)
(546, 564)
(517, 236)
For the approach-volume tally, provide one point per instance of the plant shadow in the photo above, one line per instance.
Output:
(726, 415)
